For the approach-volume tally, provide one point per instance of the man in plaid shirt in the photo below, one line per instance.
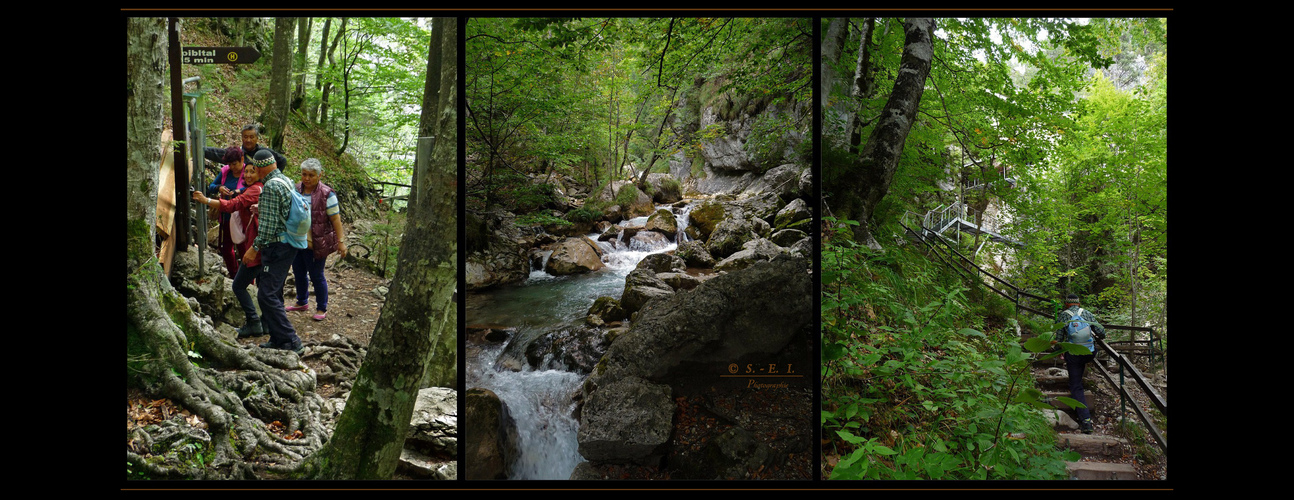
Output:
(276, 256)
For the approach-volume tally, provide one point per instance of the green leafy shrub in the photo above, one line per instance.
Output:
(627, 195)
(584, 214)
(910, 389)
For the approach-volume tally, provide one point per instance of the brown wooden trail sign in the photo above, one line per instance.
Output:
(219, 55)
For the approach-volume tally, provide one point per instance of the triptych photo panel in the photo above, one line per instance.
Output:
(647, 252)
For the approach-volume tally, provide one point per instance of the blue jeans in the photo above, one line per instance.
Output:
(308, 270)
(243, 278)
(276, 258)
(1076, 365)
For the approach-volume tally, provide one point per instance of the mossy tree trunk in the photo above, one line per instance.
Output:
(418, 321)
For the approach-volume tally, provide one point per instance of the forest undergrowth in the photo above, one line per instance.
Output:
(923, 374)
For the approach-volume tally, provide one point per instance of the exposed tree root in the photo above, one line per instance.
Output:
(259, 405)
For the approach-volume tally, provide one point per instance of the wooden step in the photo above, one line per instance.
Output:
(1100, 471)
(1091, 445)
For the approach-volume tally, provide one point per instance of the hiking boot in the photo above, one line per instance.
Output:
(298, 307)
(1086, 426)
(295, 347)
(253, 328)
(269, 345)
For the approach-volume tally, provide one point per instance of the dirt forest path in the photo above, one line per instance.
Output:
(355, 298)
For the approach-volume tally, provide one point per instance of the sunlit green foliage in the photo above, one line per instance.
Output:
(591, 98)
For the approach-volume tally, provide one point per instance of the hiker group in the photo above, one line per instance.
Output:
(268, 224)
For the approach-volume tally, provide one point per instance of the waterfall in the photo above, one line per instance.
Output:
(539, 398)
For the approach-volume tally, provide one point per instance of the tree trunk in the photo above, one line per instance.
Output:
(862, 87)
(146, 44)
(303, 43)
(418, 320)
(313, 112)
(867, 179)
(332, 63)
(276, 111)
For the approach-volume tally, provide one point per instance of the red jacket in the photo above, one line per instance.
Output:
(243, 205)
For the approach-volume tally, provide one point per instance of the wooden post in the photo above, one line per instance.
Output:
(182, 223)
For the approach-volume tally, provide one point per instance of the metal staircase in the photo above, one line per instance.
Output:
(956, 216)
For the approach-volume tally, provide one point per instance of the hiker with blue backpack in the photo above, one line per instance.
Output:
(284, 218)
(1080, 328)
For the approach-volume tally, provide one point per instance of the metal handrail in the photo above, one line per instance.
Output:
(1125, 365)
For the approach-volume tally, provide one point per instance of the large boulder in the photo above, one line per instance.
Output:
(431, 443)
(795, 214)
(694, 254)
(500, 254)
(642, 285)
(787, 237)
(607, 309)
(639, 204)
(753, 310)
(626, 421)
(575, 256)
(490, 435)
(782, 181)
(662, 263)
(608, 192)
(665, 188)
(751, 252)
(729, 236)
(663, 221)
(705, 216)
(574, 349)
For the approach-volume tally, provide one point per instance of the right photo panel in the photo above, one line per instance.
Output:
(994, 256)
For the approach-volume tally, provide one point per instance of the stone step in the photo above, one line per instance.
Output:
(1060, 420)
(1091, 445)
(1100, 471)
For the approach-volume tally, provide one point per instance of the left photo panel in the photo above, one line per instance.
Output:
(292, 248)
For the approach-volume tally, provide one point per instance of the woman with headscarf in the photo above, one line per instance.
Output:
(326, 236)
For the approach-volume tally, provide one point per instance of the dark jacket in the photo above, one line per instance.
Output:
(217, 154)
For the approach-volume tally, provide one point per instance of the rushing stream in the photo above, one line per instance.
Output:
(539, 399)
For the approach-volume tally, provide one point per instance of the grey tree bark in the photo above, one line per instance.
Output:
(275, 114)
(303, 42)
(867, 180)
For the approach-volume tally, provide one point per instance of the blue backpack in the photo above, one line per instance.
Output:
(297, 233)
(1079, 331)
